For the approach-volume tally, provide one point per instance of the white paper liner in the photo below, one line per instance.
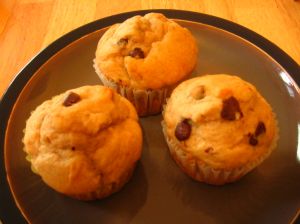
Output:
(200, 171)
(146, 102)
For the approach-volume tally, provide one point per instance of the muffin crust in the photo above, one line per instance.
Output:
(86, 148)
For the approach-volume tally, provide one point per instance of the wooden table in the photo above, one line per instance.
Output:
(27, 26)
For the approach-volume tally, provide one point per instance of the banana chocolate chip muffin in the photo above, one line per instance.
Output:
(144, 57)
(218, 128)
(85, 142)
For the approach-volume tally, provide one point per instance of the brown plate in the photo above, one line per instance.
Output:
(158, 192)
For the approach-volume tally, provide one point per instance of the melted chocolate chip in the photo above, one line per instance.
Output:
(122, 42)
(73, 148)
(137, 53)
(260, 129)
(71, 99)
(231, 109)
(253, 140)
(183, 130)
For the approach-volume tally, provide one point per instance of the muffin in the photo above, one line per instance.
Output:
(218, 128)
(85, 142)
(144, 57)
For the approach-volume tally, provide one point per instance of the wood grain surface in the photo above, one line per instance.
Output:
(27, 26)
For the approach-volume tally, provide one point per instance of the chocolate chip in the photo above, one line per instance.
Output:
(71, 99)
(122, 42)
(231, 109)
(73, 148)
(253, 140)
(183, 130)
(209, 150)
(260, 129)
(198, 92)
(137, 53)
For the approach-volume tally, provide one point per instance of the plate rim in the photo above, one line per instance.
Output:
(9, 212)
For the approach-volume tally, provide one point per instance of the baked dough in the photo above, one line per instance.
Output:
(85, 142)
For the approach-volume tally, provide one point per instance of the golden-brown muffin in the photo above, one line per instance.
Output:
(144, 57)
(85, 142)
(218, 128)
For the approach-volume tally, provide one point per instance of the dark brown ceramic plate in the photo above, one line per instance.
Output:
(158, 192)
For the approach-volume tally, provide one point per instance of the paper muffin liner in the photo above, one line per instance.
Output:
(107, 189)
(104, 190)
(200, 171)
(146, 102)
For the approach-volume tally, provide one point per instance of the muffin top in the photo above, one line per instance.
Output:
(148, 52)
(74, 139)
(220, 119)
